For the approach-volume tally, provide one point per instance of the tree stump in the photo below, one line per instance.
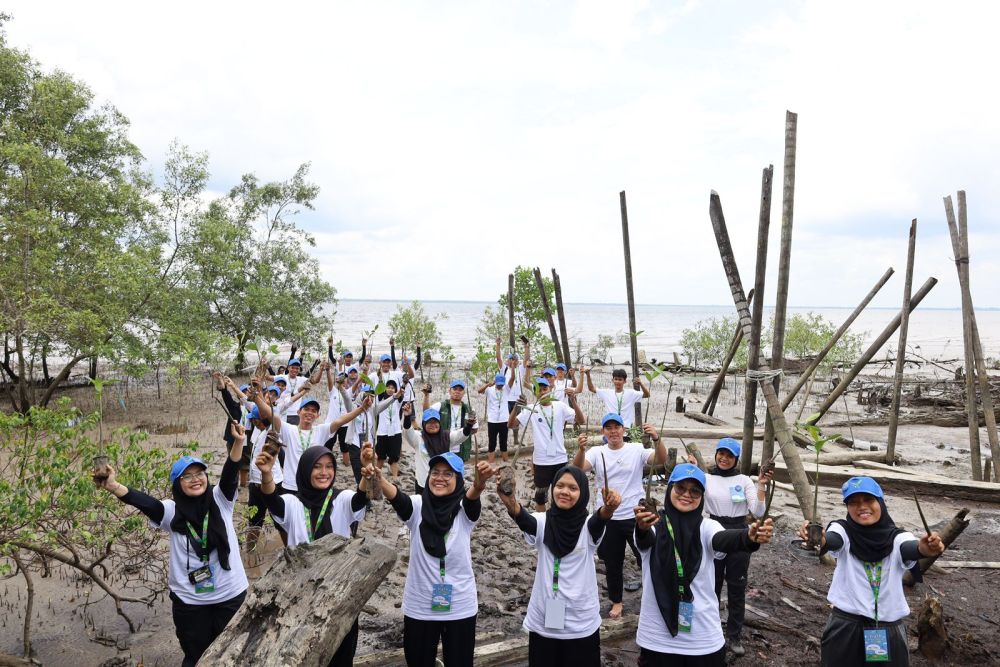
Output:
(948, 535)
(932, 635)
(298, 613)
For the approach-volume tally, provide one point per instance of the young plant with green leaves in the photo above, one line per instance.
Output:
(818, 441)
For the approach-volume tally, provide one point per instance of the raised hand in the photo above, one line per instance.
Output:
(931, 545)
(761, 532)
(367, 453)
(581, 440)
(612, 499)
(238, 431)
(106, 480)
(264, 462)
(483, 472)
(644, 519)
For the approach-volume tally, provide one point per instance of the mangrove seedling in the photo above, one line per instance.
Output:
(815, 434)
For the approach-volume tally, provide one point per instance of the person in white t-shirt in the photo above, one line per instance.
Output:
(679, 613)
(389, 432)
(497, 414)
(295, 382)
(562, 382)
(872, 554)
(440, 602)
(620, 400)
(563, 618)
(548, 419)
(619, 465)
(515, 374)
(455, 413)
(255, 498)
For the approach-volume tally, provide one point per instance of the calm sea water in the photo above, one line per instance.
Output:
(937, 332)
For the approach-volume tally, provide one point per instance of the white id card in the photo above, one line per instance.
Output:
(555, 614)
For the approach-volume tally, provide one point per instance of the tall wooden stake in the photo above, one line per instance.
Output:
(561, 312)
(548, 313)
(510, 309)
(734, 347)
(872, 350)
(897, 381)
(784, 269)
(756, 320)
(631, 304)
(793, 463)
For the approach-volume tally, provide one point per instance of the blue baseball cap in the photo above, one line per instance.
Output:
(275, 388)
(513, 355)
(182, 464)
(254, 413)
(612, 417)
(561, 365)
(308, 402)
(280, 378)
(431, 413)
(294, 362)
(352, 369)
(456, 383)
(244, 387)
(549, 371)
(500, 379)
(731, 445)
(347, 353)
(453, 460)
(687, 471)
(861, 485)
(542, 381)
(385, 357)
(367, 389)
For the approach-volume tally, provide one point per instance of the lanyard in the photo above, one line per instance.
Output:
(201, 539)
(873, 571)
(322, 512)
(441, 559)
(550, 419)
(555, 575)
(308, 441)
(677, 560)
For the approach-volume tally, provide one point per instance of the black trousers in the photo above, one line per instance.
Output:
(649, 658)
(617, 534)
(733, 570)
(547, 652)
(341, 436)
(344, 657)
(420, 641)
(197, 625)
(354, 455)
(843, 643)
(497, 432)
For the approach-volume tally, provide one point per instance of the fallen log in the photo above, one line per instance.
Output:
(948, 535)
(301, 609)
(705, 418)
(968, 564)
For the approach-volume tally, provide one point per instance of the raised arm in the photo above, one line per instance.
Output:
(318, 373)
(660, 453)
(346, 418)
(527, 523)
(500, 363)
(590, 380)
(146, 504)
(230, 477)
(645, 389)
(580, 458)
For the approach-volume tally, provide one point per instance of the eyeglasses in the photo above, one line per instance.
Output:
(690, 491)
(192, 476)
(442, 474)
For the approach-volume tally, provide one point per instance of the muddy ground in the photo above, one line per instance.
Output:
(781, 575)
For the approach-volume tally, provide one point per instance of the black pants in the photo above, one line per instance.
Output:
(354, 455)
(389, 447)
(546, 652)
(341, 436)
(420, 641)
(617, 534)
(197, 625)
(843, 643)
(733, 570)
(497, 432)
(344, 657)
(649, 658)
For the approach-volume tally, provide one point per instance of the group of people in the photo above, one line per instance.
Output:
(290, 465)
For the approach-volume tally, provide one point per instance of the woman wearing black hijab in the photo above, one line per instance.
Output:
(440, 603)
(679, 613)
(563, 619)
(866, 624)
(207, 581)
(315, 510)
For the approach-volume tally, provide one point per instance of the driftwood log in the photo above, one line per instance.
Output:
(948, 535)
(298, 613)
(932, 635)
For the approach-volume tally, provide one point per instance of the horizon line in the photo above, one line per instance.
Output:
(682, 305)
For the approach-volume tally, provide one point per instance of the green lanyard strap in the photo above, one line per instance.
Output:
(306, 442)
(441, 559)
(322, 513)
(549, 419)
(201, 539)
(555, 575)
(873, 571)
(677, 559)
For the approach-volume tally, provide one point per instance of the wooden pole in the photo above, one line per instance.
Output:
(561, 312)
(784, 269)
(510, 309)
(897, 381)
(872, 350)
(548, 312)
(734, 347)
(837, 335)
(757, 318)
(793, 462)
(631, 305)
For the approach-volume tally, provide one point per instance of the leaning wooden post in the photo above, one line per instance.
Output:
(872, 350)
(897, 381)
(837, 335)
(548, 313)
(734, 347)
(631, 307)
(756, 320)
(510, 309)
(561, 313)
(793, 463)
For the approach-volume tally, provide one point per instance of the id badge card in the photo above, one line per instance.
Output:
(877, 645)
(204, 581)
(555, 614)
(441, 597)
(737, 494)
(685, 616)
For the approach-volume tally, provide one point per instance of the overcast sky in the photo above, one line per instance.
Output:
(454, 140)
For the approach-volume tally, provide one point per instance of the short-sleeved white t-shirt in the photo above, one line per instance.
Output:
(297, 441)
(257, 443)
(421, 459)
(547, 425)
(389, 421)
(577, 586)
(294, 520)
(496, 406)
(622, 404)
(850, 590)
(512, 389)
(294, 384)
(706, 629)
(625, 468)
(559, 388)
(424, 571)
(723, 494)
(338, 406)
(183, 559)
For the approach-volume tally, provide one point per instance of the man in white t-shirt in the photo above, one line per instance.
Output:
(497, 414)
(619, 465)
(548, 419)
(515, 374)
(296, 382)
(621, 400)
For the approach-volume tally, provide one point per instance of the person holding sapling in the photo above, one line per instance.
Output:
(620, 399)
(455, 414)
(262, 436)
(315, 510)
(562, 382)
(548, 419)
(866, 624)
(679, 613)
(729, 496)
(389, 434)
(436, 441)
(515, 373)
(497, 414)
(440, 602)
(206, 577)
(339, 400)
(295, 384)
(619, 465)
(563, 618)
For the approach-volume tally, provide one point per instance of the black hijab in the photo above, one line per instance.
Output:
(562, 527)
(437, 443)
(873, 543)
(663, 567)
(191, 510)
(312, 497)
(437, 513)
(716, 470)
